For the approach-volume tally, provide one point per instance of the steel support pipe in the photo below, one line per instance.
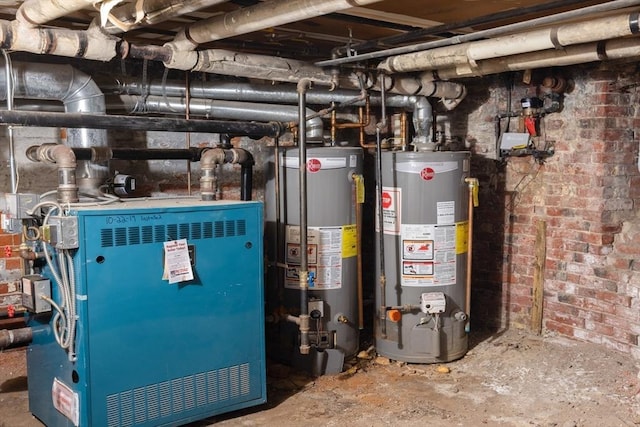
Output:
(15, 337)
(93, 121)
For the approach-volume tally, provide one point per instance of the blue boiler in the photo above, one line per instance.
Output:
(150, 352)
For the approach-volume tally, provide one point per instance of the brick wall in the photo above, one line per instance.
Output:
(587, 194)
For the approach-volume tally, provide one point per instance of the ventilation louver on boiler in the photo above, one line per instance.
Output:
(135, 235)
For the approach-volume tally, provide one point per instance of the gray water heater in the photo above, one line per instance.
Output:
(332, 255)
(424, 202)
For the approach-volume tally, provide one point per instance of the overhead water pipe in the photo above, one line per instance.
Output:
(303, 274)
(37, 12)
(283, 93)
(88, 44)
(556, 37)
(132, 15)
(267, 14)
(483, 34)
(222, 110)
(571, 55)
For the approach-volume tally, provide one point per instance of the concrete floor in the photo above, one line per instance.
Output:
(506, 379)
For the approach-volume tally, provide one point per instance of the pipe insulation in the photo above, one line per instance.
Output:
(578, 54)
(267, 14)
(89, 44)
(225, 62)
(79, 94)
(36, 12)
(555, 37)
(488, 33)
(132, 15)
(232, 110)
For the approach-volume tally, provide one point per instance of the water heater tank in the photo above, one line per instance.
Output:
(424, 199)
(332, 255)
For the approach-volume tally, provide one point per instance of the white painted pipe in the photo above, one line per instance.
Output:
(263, 15)
(531, 41)
(579, 54)
(37, 12)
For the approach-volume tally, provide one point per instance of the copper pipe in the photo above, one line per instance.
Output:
(188, 135)
(403, 130)
(473, 184)
(356, 179)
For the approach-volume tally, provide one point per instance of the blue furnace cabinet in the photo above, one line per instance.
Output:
(150, 352)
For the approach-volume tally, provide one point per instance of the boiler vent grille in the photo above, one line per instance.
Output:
(136, 235)
(168, 398)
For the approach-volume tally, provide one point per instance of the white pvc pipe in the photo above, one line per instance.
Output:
(531, 41)
(36, 12)
(263, 15)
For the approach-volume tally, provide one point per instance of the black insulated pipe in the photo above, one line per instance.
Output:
(94, 121)
(233, 155)
(15, 337)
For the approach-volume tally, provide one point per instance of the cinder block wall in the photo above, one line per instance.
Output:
(587, 193)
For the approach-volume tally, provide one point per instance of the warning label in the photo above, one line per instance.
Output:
(391, 203)
(428, 254)
(326, 246)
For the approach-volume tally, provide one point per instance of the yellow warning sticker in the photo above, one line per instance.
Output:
(462, 237)
(359, 180)
(349, 241)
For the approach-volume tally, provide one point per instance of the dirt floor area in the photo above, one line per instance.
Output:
(506, 379)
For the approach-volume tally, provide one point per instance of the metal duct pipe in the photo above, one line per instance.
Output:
(36, 12)
(579, 54)
(422, 121)
(484, 34)
(263, 15)
(549, 38)
(89, 44)
(12, 337)
(79, 94)
(252, 92)
(28, 118)
(223, 110)
(132, 15)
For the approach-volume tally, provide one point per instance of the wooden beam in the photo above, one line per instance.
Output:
(538, 277)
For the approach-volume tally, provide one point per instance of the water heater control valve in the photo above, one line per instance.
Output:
(433, 302)
(316, 309)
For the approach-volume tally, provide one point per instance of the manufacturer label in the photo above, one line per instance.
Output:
(427, 174)
(314, 165)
